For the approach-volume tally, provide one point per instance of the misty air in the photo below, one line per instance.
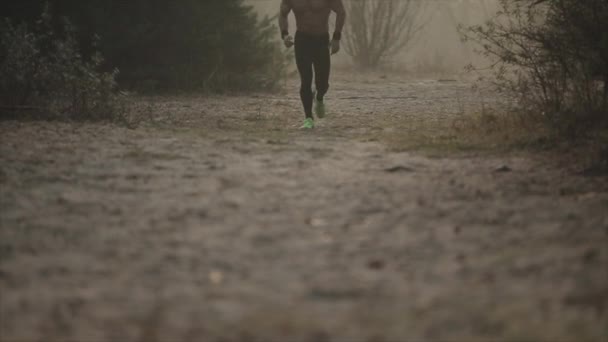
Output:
(303, 170)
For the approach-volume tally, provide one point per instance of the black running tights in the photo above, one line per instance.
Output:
(312, 52)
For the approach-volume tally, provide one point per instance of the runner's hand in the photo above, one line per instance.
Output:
(335, 46)
(288, 41)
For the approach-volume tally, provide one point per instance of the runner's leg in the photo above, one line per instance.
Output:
(304, 62)
(322, 66)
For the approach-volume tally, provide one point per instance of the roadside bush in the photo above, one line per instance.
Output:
(171, 45)
(553, 55)
(43, 73)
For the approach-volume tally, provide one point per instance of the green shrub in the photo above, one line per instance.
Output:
(43, 73)
(553, 55)
(172, 45)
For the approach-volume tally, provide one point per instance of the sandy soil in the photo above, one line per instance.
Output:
(219, 220)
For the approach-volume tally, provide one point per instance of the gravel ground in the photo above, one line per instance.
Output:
(219, 220)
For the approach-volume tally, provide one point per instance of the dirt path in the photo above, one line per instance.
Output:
(219, 220)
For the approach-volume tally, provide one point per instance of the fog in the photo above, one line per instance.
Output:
(437, 48)
(166, 174)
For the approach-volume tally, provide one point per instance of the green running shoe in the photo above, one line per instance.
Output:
(309, 123)
(319, 108)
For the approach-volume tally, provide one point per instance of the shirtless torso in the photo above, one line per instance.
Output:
(312, 16)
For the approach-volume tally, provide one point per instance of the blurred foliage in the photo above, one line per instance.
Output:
(43, 72)
(169, 45)
(553, 55)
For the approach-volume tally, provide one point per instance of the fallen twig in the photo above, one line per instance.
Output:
(20, 108)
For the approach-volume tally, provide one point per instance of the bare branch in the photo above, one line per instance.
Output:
(379, 29)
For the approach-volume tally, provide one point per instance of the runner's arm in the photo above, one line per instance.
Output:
(338, 7)
(283, 21)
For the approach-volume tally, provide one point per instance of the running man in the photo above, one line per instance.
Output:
(312, 47)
